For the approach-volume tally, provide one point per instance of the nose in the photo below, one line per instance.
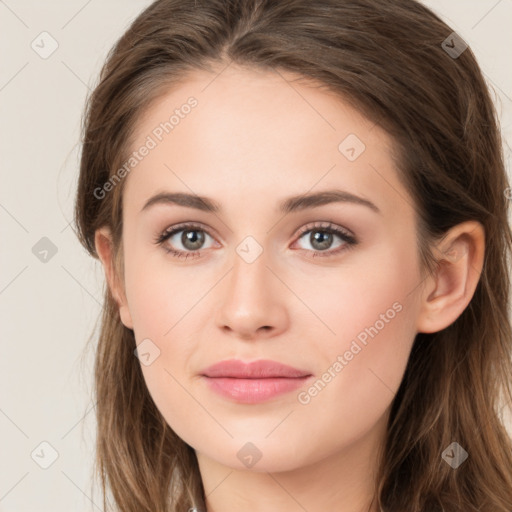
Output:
(253, 301)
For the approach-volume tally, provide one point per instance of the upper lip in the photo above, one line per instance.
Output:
(262, 369)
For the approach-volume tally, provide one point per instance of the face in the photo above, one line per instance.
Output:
(302, 251)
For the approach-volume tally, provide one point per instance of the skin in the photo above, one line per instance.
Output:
(254, 140)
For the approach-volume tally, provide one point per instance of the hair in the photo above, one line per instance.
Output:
(384, 57)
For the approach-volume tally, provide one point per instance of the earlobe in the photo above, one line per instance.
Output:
(104, 248)
(460, 255)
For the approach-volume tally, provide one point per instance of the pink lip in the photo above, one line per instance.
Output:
(253, 382)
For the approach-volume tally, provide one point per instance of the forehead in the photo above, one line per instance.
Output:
(256, 132)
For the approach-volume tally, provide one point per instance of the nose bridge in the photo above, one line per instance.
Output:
(250, 277)
(250, 298)
(248, 259)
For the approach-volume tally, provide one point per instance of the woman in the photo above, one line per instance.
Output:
(301, 211)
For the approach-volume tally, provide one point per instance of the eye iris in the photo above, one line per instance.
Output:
(190, 237)
(321, 237)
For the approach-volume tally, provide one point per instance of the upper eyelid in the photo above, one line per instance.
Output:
(328, 226)
(186, 226)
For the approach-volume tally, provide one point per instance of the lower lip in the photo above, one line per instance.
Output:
(251, 391)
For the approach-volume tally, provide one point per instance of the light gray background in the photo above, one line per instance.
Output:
(48, 310)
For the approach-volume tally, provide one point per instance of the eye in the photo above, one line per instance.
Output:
(191, 237)
(322, 236)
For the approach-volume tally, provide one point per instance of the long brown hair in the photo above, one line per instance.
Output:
(388, 59)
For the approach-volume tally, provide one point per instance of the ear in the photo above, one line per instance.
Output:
(104, 248)
(460, 261)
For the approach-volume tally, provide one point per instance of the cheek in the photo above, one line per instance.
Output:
(353, 297)
(164, 301)
(164, 314)
(355, 388)
(368, 316)
(161, 295)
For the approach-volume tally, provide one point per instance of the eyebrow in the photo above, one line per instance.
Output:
(289, 205)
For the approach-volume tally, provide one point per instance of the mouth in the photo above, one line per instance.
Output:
(261, 369)
(252, 391)
(254, 382)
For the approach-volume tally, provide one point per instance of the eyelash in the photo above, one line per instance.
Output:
(350, 241)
